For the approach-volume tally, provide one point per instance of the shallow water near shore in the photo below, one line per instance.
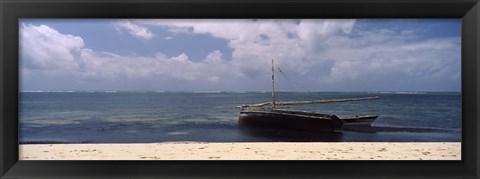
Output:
(141, 117)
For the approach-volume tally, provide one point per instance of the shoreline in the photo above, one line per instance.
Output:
(245, 151)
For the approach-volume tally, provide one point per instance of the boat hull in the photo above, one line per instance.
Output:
(294, 120)
(358, 119)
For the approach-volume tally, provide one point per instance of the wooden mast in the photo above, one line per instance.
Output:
(273, 86)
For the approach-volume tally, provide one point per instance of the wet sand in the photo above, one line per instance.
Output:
(245, 151)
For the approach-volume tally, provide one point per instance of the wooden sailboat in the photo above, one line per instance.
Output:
(258, 115)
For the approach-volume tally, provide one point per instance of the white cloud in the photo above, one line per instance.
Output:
(326, 54)
(134, 29)
(304, 46)
(51, 53)
(256, 42)
(45, 48)
(427, 60)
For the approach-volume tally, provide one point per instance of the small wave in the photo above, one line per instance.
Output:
(253, 91)
(207, 91)
(32, 91)
(396, 92)
(177, 133)
(409, 92)
(48, 122)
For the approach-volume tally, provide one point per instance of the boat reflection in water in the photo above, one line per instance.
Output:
(268, 134)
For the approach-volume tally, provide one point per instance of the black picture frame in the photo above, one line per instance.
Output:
(13, 10)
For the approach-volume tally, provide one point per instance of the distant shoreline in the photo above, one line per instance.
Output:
(213, 91)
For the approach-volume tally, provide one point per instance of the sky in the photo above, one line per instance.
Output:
(236, 54)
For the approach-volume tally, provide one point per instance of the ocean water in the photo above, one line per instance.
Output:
(139, 117)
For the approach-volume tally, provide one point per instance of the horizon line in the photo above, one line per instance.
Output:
(220, 91)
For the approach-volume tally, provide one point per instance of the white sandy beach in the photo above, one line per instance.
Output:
(245, 151)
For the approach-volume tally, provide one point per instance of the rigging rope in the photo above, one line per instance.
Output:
(288, 80)
(290, 83)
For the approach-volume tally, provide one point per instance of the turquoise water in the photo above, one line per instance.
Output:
(130, 117)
